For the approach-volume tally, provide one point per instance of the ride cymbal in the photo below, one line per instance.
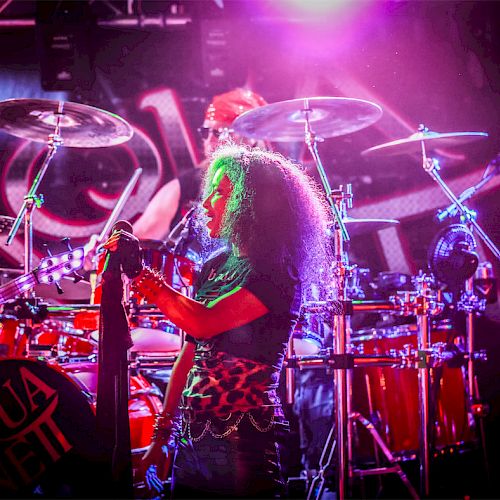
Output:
(285, 121)
(79, 125)
(433, 140)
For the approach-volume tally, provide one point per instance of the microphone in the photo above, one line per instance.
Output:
(122, 225)
(127, 257)
(180, 230)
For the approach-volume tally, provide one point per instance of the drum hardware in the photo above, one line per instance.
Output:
(284, 121)
(151, 360)
(291, 121)
(363, 226)
(452, 209)
(424, 139)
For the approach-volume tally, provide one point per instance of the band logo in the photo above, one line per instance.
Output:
(38, 410)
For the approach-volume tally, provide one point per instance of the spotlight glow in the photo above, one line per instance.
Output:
(317, 6)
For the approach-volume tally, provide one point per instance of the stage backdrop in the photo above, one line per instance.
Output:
(432, 63)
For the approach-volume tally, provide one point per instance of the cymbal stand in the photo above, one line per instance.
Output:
(31, 201)
(425, 305)
(341, 339)
(431, 166)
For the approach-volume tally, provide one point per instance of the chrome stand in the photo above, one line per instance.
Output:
(426, 304)
(431, 166)
(341, 340)
(468, 303)
(32, 201)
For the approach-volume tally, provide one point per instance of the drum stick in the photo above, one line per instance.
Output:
(119, 205)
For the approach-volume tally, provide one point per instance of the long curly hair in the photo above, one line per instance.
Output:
(276, 213)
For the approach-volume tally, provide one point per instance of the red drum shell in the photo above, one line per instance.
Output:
(179, 271)
(393, 393)
(65, 339)
(143, 404)
(12, 343)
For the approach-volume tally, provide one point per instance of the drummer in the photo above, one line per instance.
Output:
(223, 389)
(176, 197)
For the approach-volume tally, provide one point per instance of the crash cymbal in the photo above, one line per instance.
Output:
(80, 126)
(329, 117)
(433, 140)
(356, 227)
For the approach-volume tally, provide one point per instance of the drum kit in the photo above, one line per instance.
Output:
(410, 381)
(409, 376)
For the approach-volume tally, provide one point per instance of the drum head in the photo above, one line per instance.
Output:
(47, 432)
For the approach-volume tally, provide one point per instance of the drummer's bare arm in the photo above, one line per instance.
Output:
(234, 309)
(155, 222)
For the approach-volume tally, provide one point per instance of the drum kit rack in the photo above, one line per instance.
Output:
(58, 123)
(313, 120)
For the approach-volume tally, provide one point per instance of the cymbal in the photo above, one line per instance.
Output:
(80, 126)
(285, 121)
(355, 227)
(433, 140)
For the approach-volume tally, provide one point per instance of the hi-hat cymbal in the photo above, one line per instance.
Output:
(285, 121)
(433, 140)
(355, 227)
(80, 126)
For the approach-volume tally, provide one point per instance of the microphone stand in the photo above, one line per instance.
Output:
(341, 340)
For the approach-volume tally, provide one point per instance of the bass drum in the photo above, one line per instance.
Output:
(47, 433)
(48, 427)
(393, 393)
(144, 400)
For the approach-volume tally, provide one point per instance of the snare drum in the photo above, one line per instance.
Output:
(393, 393)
